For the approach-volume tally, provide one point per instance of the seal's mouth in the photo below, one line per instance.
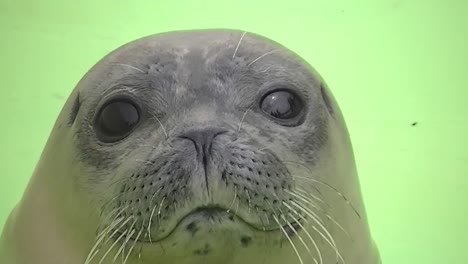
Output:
(206, 211)
(216, 215)
(215, 212)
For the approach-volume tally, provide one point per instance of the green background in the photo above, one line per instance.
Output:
(389, 64)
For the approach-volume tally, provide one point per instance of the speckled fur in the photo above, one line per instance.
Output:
(192, 77)
(185, 84)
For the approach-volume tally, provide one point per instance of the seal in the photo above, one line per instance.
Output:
(205, 146)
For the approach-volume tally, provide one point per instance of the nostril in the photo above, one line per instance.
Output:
(203, 138)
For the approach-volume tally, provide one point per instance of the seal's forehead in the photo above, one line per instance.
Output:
(198, 39)
(205, 43)
(204, 62)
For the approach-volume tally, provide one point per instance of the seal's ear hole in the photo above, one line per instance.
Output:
(75, 109)
(326, 99)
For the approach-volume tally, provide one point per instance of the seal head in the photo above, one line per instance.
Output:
(213, 146)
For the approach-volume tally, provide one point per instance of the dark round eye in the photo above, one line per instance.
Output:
(282, 104)
(116, 120)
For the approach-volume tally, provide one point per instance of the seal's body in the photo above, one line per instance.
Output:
(212, 146)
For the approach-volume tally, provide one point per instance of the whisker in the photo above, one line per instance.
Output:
(273, 209)
(265, 54)
(289, 239)
(316, 189)
(94, 255)
(237, 205)
(129, 235)
(127, 65)
(120, 180)
(234, 200)
(159, 210)
(249, 200)
(267, 146)
(310, 194)
(117, 215)
(299, 236)
(325, 184)
(334, 189)
(139, 253)
(243, 117)
(303, 208)
(133, 246)
(111, 213)
(330, 239)
(152, 213)
(309, 236)
(302, 197)
(104, 207)
(93, 252)
(309, 202)
(162, 127)
(117, 230)
(303, 228)
(313, 216)
(339, 226)
(149, 224)
(152, 197)
(111, 247)
(292, 228)
(238, 45)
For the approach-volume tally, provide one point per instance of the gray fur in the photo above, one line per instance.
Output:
(178, 77)
(205, 176)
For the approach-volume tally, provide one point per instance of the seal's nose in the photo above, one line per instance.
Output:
(203, 139)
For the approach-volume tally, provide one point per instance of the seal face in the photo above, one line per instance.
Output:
(208, 147)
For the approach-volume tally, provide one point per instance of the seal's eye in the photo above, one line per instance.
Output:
(282, 104)
(116, 119)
